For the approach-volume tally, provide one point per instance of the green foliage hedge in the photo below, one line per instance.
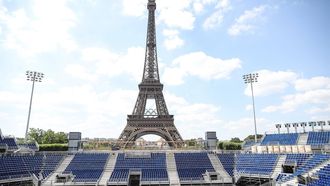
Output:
(53, 147)
(225, 145)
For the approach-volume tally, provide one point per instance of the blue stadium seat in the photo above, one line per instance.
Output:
(312, 162)
(256, 163)
(192, 166)
(11, 143)
(280, 139)
(153, 168)
(227, 161)
(318, 138)
(324, 177)
(87, 167)
(26, 165)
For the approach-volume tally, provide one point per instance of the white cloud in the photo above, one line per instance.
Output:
(248, 107)
(270, 82)
(312, 84)
(247, 21)
(39, 28)
(175, 14)
(172, 39)
(111, 64)
(216, 18)
(292, 102)
(201, 65)
(79, 71)
(134, 7)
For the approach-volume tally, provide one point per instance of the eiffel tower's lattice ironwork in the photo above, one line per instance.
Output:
(143, 120)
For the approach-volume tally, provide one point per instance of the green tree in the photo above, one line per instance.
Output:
(236, 140)
(251, 137)
(220, 145)
(61, 137)
(36, 134)
(49, 137)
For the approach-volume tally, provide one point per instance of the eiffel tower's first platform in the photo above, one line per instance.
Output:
(145, 121)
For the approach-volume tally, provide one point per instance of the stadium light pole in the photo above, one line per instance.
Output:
(321, 124)
(252, 78)
(295, 125)
(278, 126)
(312, 124)
(287, 125)
(34, 77)
(303, 125)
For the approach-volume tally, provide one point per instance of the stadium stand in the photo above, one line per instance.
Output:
(152, 167)
(12, 166)
(318, 138)
(312, 162)
(280, 139)
(261, 164)
(323, 177)
(227, 161)
(297, 159)
(192, 166)
(11, 143)
(87, 167)
(32, 146)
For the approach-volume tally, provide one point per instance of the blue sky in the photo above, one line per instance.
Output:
(92, 55)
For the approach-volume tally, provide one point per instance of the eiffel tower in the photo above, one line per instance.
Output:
(145, 121)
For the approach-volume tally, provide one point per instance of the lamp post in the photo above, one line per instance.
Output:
(312, 124)
(287, 125)
(278, 126)
(295, 125)
(34, 77)
(321, 123)
(252, 78)
(303, 125)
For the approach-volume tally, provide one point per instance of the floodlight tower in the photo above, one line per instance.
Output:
(295, 125)
(303, 125)
(34, 77)
(321, 123)
(312, 124)
(278, 126)
(252, 78)
(287, 125)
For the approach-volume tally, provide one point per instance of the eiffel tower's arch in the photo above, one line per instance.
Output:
(156, 131)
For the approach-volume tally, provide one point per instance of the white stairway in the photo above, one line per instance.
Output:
(108, 169)
(278, 167)
(302, 139)
(226, 178)
(52, 178)
(171, 169)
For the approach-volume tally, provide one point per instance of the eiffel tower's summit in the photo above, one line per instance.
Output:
(143, 120)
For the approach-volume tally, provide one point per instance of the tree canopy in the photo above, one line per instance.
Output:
(47, 137)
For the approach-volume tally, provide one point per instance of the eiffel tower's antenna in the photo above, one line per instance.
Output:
(150, 72)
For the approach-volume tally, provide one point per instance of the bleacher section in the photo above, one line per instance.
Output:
(11, 143)
(312, 162)
(318, 138)
(261, 164)
(192, 166)
(26, 165)
(227, 161)
(323, 177)
(87, 167)
(297, 159)
(280, 139)
(32, 146)
(152, 167)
